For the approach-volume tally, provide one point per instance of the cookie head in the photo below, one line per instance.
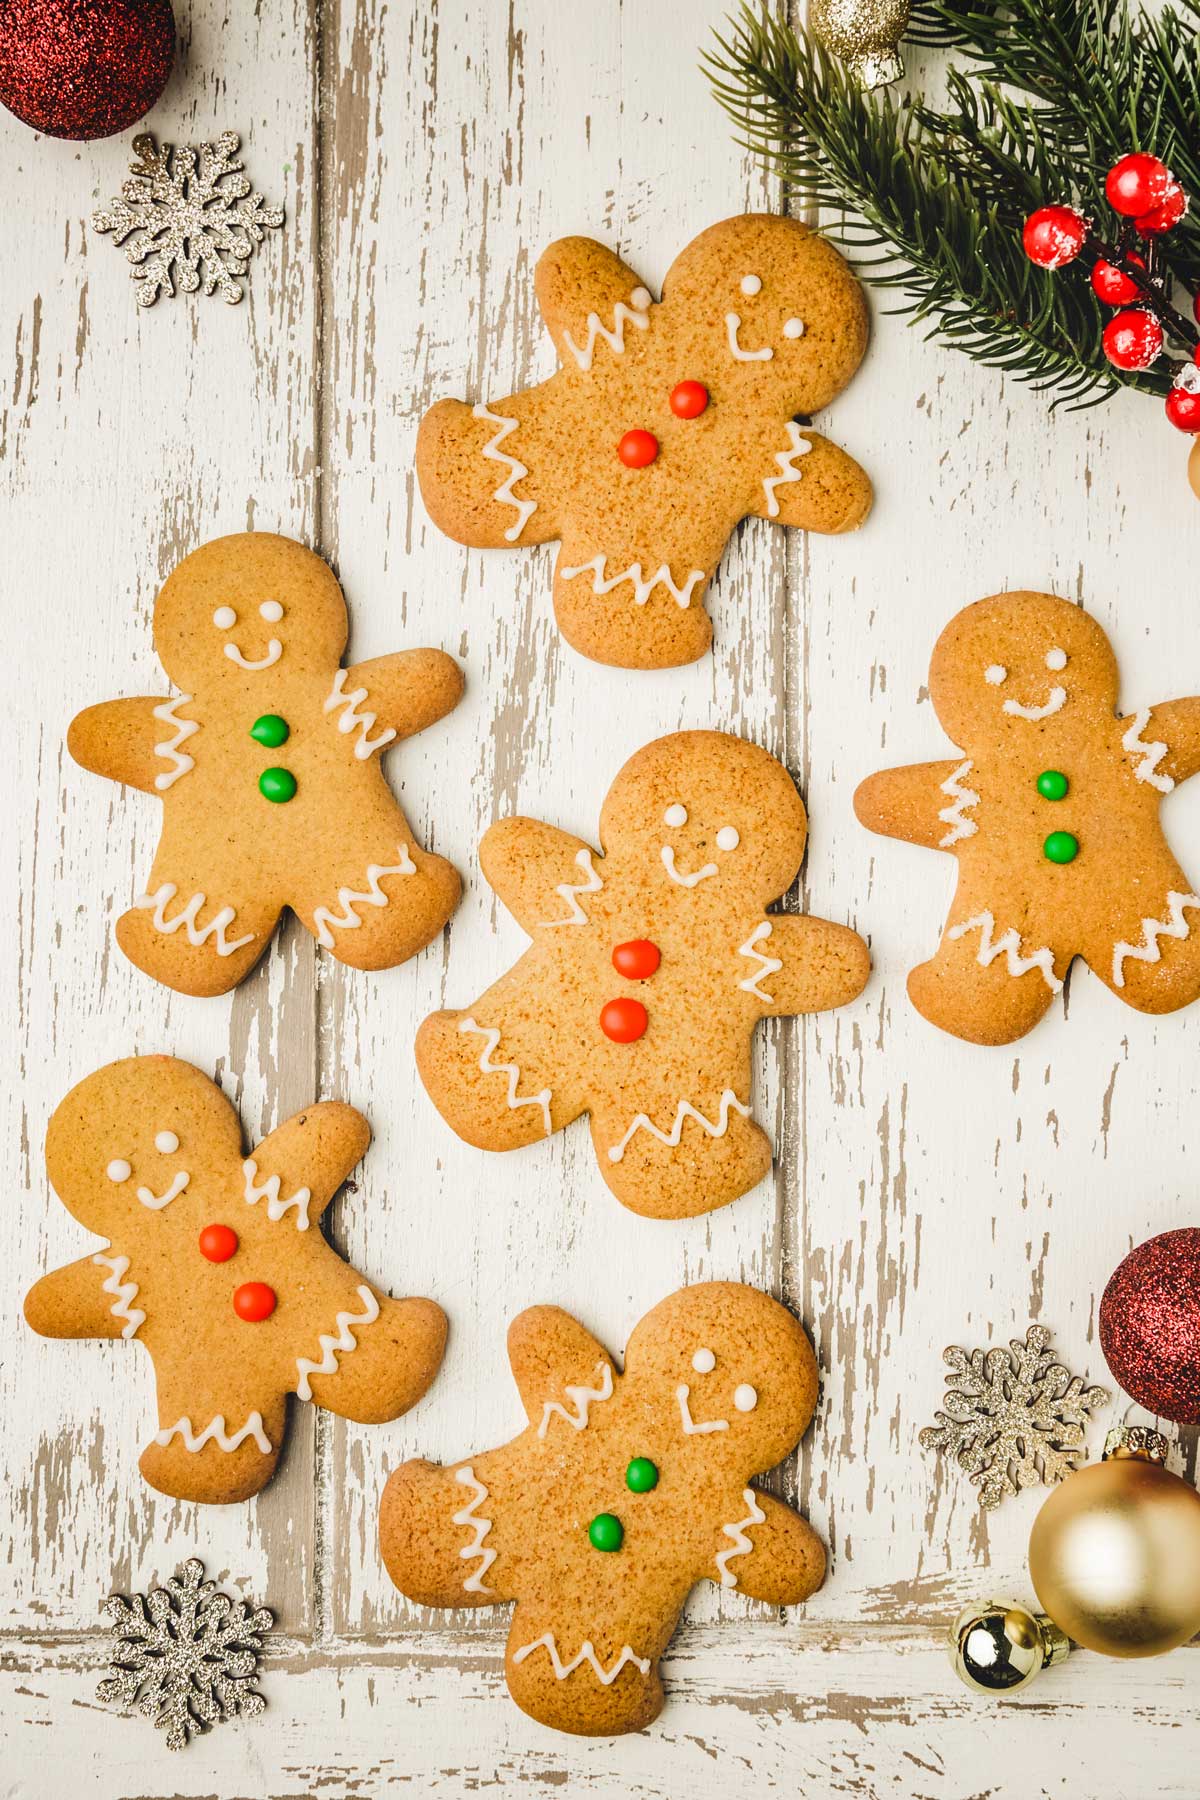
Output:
(774, 304)
(711, 816)
(133, 1137)
(1017, 663)
(730, 1366)
(240, 606)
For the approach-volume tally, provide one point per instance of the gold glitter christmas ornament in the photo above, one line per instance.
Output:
(998, 1649)
(863, 34)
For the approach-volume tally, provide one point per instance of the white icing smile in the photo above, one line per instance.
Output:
(687, 881)
(225, 619)
(733, 325)
(996, 674)
(274, 652)
(695, 1427)
(156, 1202)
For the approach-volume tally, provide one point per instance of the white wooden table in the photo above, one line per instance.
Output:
(924, 1192)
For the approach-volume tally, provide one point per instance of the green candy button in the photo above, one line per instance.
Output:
(606, 1532)
(270, 730)
(641, 1475)
(1061, 847)
(279, 785)
(1052, 784)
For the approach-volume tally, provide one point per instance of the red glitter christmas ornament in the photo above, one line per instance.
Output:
(1054, 236)
(84, 68)
(1150, 1325)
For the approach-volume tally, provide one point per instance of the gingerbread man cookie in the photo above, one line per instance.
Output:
(623, 1491)
(664, 425)
(1052, 810)
(651, 964)
(267, 767)
(216, 1263)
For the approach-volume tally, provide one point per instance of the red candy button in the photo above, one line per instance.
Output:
(637, 960)
(689, 399)
(218, 1242)
(637, 449)
(624, 1021)
(254, 1301)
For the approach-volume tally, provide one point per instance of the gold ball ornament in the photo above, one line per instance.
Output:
(863, 34)
(1115, 1551)
(999, 1649)
(1194, 468)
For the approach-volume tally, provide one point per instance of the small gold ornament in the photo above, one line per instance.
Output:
(863, 34)
(1115, 1553)
(1194, 468)
(998, 1649)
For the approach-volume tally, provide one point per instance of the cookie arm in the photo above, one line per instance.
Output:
(1175, 724)
(311, 1155)
(818, 489)
(436, 1535)
(916, 803)
(550, 1353)
(405, 692)
(542, 875)
(71, 1303)
(785, 1561)
(594, 305)
(817, 965)
(117, 738)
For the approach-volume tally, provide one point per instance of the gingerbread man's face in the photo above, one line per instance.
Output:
(1017, 664)
(109, 1183)
(701, 833)
(222, 618)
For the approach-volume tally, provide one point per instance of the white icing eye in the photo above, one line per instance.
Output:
(745, 1398)
(675, 816)
(224, 618)
(793, 328)
(751, 284)
(728, 838)
(271, 611)
(166, 1143)
(1056, 659)
(704, 1362)
(641, 298)
(995, 674)
(118, 1169)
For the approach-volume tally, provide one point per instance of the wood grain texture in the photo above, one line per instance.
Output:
(925, 1192)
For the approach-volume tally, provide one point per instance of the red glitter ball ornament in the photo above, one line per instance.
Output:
(1054, 236)
(1150, 1325)
(84, 68)
(1133, 339)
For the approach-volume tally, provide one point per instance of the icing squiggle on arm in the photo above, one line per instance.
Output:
(269, 1191)
(124, 1291)
(643, 586)
(488, 1067)
(685, 1110)
(741, 1544)
(767, 965)
(586, 1655)
(352, 718)
(1008, 945)
(581, 1399)
(964, 799)
(1150, 755)
(468, 1516)
(569, 892)
(785, 462)
(214, 1433)
(189, 916)
(640, 301)
(327, 922)
(516, 470)
(341, 1344)
(1173, 926)
(169, 749)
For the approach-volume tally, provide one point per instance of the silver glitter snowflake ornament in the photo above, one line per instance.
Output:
(1012, 1417)
(190, 213)
(185, 1655)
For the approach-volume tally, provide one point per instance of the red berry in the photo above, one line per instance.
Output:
(1196, 308)
(1183, 402)
(1166, 216)
(624, 1021)
(1137, 183)
(218, 1242)
(637, 960)
(1054, 236)
(637, 449)
(1113, 285)
(254, 1301)
(689, 399)
(1133, 339)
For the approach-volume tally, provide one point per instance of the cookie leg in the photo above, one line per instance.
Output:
(625, 619)
(212, 1456)
(396, 1356)
(1154, 965)
(985, 985)
(194, 940)
(377, 907)
(579, 1676)
(492, 1081)
(669, 1163)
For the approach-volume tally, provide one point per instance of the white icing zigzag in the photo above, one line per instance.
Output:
(581, 1399)
(340, 1345)
(352, 718)
(767, 965)
(1151, 754)
(214, 1433)
(488, 1067)
(685, 1110)
(590, 884)
(643, 586)
(189, 916)
(169, 750)
(640, 301)
(741, 1544)
(1008, 946)
(467, 1516)
(124, 1292)
(1173, 926)
(964, 798)
(269, 1191)
(328, 922)
(785, 462)
(516, 470)
(586, 1655)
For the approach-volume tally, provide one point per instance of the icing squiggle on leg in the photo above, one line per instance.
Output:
(214, 1433)
(643, 586)
(328, 922)
(715, 1128)
(586, 1655)
(189, 917)
(516, 469)
(488, 1067)
(1009, 946)
(1173, 926)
